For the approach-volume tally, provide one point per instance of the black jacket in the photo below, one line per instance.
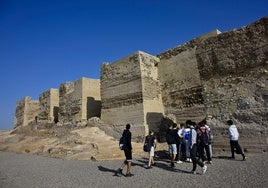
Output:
(127, 136)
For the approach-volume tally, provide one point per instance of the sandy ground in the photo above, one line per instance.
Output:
(32, 171)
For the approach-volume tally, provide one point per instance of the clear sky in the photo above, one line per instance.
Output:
(44, 43)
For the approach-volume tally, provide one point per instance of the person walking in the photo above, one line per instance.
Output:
(193, 150)
(171, 138)
(234, 136)
(128, 152)
(203, 143)
(152, 146)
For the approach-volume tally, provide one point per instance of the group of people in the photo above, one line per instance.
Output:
(189, 142)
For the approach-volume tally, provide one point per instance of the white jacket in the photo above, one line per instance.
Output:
(233, 132)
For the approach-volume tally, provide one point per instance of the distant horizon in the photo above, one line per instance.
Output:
(46, 43)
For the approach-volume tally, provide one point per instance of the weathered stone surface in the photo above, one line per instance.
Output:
(233, 69)
(235, 51)
(223, 76)
(79, 101)
(180, 80)
(26, 112)
(130, 93)
(49, 106)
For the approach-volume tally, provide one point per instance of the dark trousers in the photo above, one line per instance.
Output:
(235, 147)
(195, 161)
(202, 149)
(178, 156)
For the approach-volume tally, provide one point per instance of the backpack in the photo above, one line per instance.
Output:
(203, 137)
(187, 135)
(146, 146)
(122, 143)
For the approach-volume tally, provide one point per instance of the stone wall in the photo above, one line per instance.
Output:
(180, 80)
(130, 93)
(26, 111)
(233, 69)
(79, 100)
(49, 106)
(218, 75)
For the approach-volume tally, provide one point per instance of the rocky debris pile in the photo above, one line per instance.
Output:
(93, 141)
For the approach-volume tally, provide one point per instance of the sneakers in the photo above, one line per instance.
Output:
(148, 167)
(204, 169)
(119, 172)
(172, 164)
(244, 157)
(189, 160)
(178, 162)
(193, 172)
(129, 175)
(209, 162)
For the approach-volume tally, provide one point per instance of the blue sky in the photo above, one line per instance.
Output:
(44, 43)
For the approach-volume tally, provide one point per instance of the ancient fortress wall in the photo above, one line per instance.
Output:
(218, 76)
(90, 98)
(234, 73)
(180, 81)
(221, 75)
(130, 92)
(26, 111)
(75, 97)
(49, 106)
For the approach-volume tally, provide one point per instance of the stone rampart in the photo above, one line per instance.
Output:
(180, 80)
(79, 101)
(49, 106)
(26, 111)
(233, 70)
(218, 75)
(130, 93)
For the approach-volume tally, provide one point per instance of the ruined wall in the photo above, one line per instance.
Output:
(180, 81)
(91, 98)
(75, 98)
(151, 92)
(26, 111)
(129, 92)
(49, 106)
(234, 73)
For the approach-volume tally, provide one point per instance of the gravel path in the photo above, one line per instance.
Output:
(31, 171)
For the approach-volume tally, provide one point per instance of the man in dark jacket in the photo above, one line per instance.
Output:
(128, 152)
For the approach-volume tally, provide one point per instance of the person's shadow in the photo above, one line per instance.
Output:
(104, 169)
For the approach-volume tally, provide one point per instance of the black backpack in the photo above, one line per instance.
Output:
(146, 146)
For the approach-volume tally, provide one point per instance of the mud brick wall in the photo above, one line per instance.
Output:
(26, 111)
(130, 93)
(49, 106)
